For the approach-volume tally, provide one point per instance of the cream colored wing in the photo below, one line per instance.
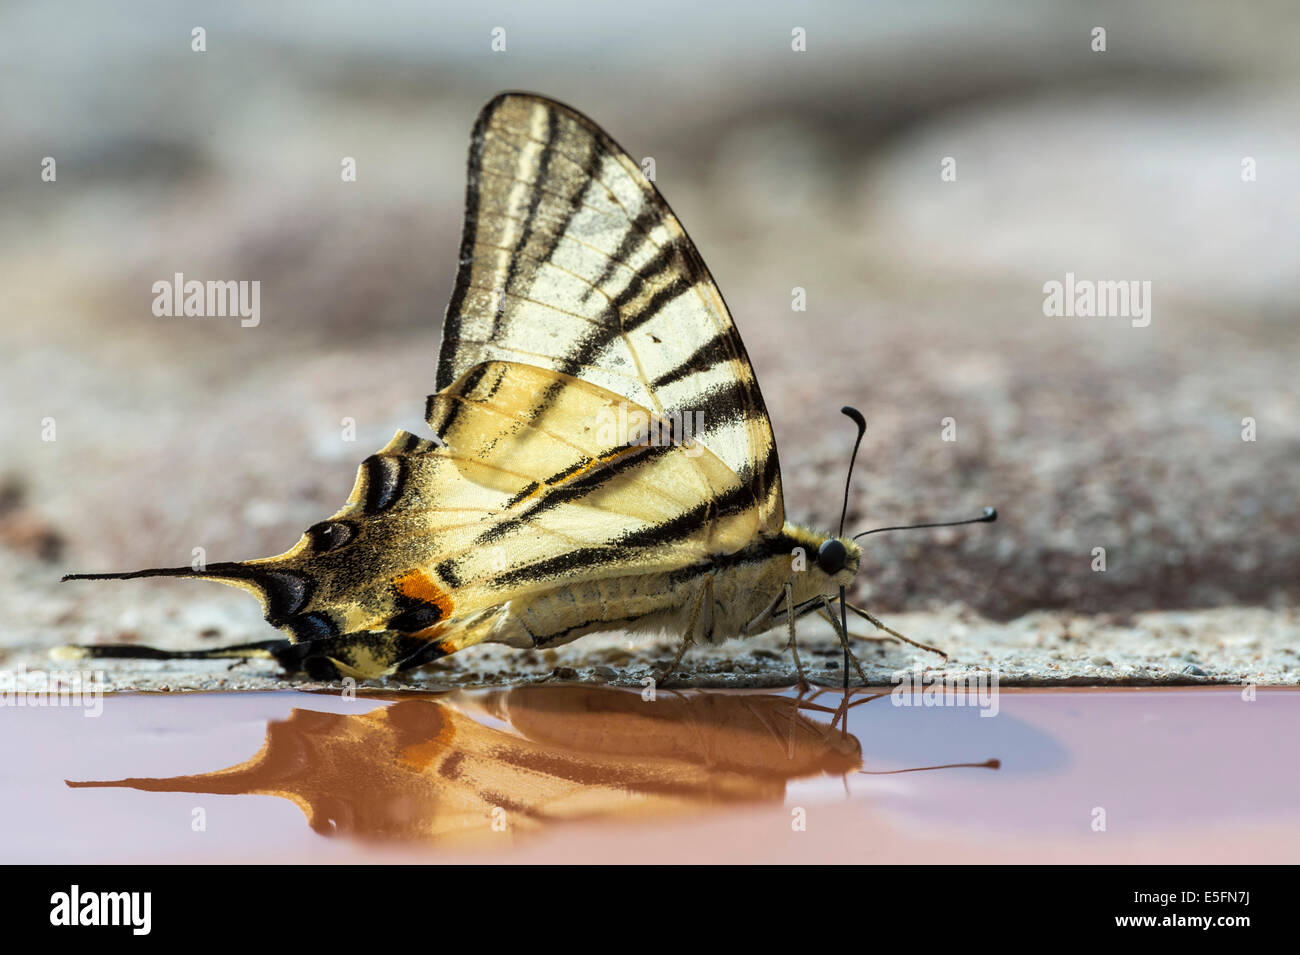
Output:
(572, 261)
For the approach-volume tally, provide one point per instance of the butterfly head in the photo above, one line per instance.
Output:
(838, 558)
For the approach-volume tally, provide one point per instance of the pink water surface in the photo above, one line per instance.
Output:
(592, 774)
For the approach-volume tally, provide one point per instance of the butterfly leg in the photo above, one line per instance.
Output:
(774, 616)
(792, 644)
(688, 638)
(855, 636)
(890, 635)
(893, 633)
(844, 638)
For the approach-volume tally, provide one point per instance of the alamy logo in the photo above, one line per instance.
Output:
(979, 689)
(211, 299)
(75, 907)
(1086, 298)
(83, 688)
(618, 427)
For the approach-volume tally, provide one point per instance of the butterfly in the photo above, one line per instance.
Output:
(602, 459)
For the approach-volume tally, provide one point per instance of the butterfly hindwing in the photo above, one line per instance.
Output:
(435, 538)
(571, 482)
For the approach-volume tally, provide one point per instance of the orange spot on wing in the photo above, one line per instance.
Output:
(420, 586)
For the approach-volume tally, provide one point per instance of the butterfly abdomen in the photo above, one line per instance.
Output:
(641, 603)
(730, 591)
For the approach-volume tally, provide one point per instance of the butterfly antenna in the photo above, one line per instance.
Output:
(990, 515)
(987, 764)
(861, 422)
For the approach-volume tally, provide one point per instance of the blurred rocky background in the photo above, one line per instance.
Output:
(819, 170)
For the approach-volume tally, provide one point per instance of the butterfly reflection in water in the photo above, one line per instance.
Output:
(427, 768)
(430, 769)
(602, 459)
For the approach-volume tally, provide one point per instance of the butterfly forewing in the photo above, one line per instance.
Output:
(571, 261)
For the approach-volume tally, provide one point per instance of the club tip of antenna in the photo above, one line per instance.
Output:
(990, 515)
(861, 422)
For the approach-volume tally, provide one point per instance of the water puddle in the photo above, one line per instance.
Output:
(590, 773)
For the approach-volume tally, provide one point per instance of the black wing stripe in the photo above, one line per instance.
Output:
(574, 490)
(445, 426)
(526, 232)
(465, 270)
(721, 347)
(665, 533)
(638, 232)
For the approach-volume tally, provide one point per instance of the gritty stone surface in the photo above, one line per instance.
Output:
(1043, 648)
(924, 304)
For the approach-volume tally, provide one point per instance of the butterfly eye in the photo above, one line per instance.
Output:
(831, 556)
